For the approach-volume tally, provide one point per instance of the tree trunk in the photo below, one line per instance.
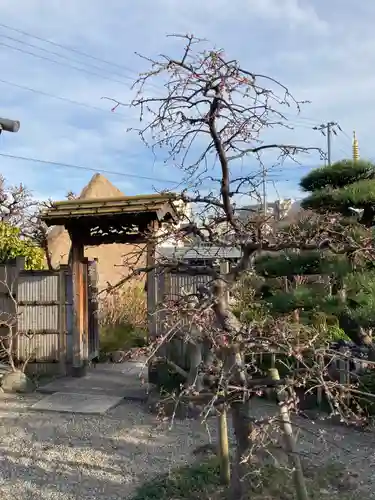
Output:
(339, 289)
(240, 421)
(195, 379)
(289, 440)
(296, 315)
(234, 372)
(224, 447)
(342, 294)
(208, 354)
(240, 411)
(47, 254)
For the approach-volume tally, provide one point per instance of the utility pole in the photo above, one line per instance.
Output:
(9, 125)
(327, 129)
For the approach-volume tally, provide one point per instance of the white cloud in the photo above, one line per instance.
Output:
(296, 13)
(318, 48)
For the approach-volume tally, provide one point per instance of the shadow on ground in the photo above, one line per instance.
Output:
(53, 456)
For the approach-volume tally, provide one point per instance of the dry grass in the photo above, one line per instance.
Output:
(123, 318)
(128, 305)
(201, 481)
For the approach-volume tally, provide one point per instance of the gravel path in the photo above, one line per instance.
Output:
(63, 457)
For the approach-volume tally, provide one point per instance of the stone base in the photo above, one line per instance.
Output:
(78, 371)
(77, 403)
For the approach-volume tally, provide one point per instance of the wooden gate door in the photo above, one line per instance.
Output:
(93, 320)
(85, 317)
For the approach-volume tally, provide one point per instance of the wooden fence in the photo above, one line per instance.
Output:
(41, 305)
(173, 286)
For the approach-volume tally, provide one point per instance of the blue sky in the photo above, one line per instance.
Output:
(324, 51)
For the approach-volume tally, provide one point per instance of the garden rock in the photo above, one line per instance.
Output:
(17, 382)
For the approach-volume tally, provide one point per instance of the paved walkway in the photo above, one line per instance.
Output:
(104, 386)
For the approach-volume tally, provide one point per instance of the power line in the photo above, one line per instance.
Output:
(294, 121)
(89, 106)
(67, 65)
(45, 40)
(60, 63)
(96, 58)
(100, 171)
(81, 167)
(348, 154)
(60, 98)
(54, 53)
(65, 47)
(346, 135)
(351, 142)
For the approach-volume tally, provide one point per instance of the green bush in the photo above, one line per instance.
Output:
(290, 263)
(121, 337)
(335, 333)
(123, 319)
(244, 295)
(12, 245)
(265, 482)
(304, 297)
(250, 313)
(183, 483)
(338, 175)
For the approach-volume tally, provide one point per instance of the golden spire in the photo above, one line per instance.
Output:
(355, 148)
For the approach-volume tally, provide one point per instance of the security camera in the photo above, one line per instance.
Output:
(9, 125)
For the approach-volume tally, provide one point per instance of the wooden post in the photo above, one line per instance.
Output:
(290, 444)
(344, 375)
(62, 322)
(224, 269)
(319, 392)
(94, 306)
(85, 311)
(222, 418)
(10, 286)
(164, 351)
(273, 360)
(151, 286)
(77, 257)
(224, 447)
